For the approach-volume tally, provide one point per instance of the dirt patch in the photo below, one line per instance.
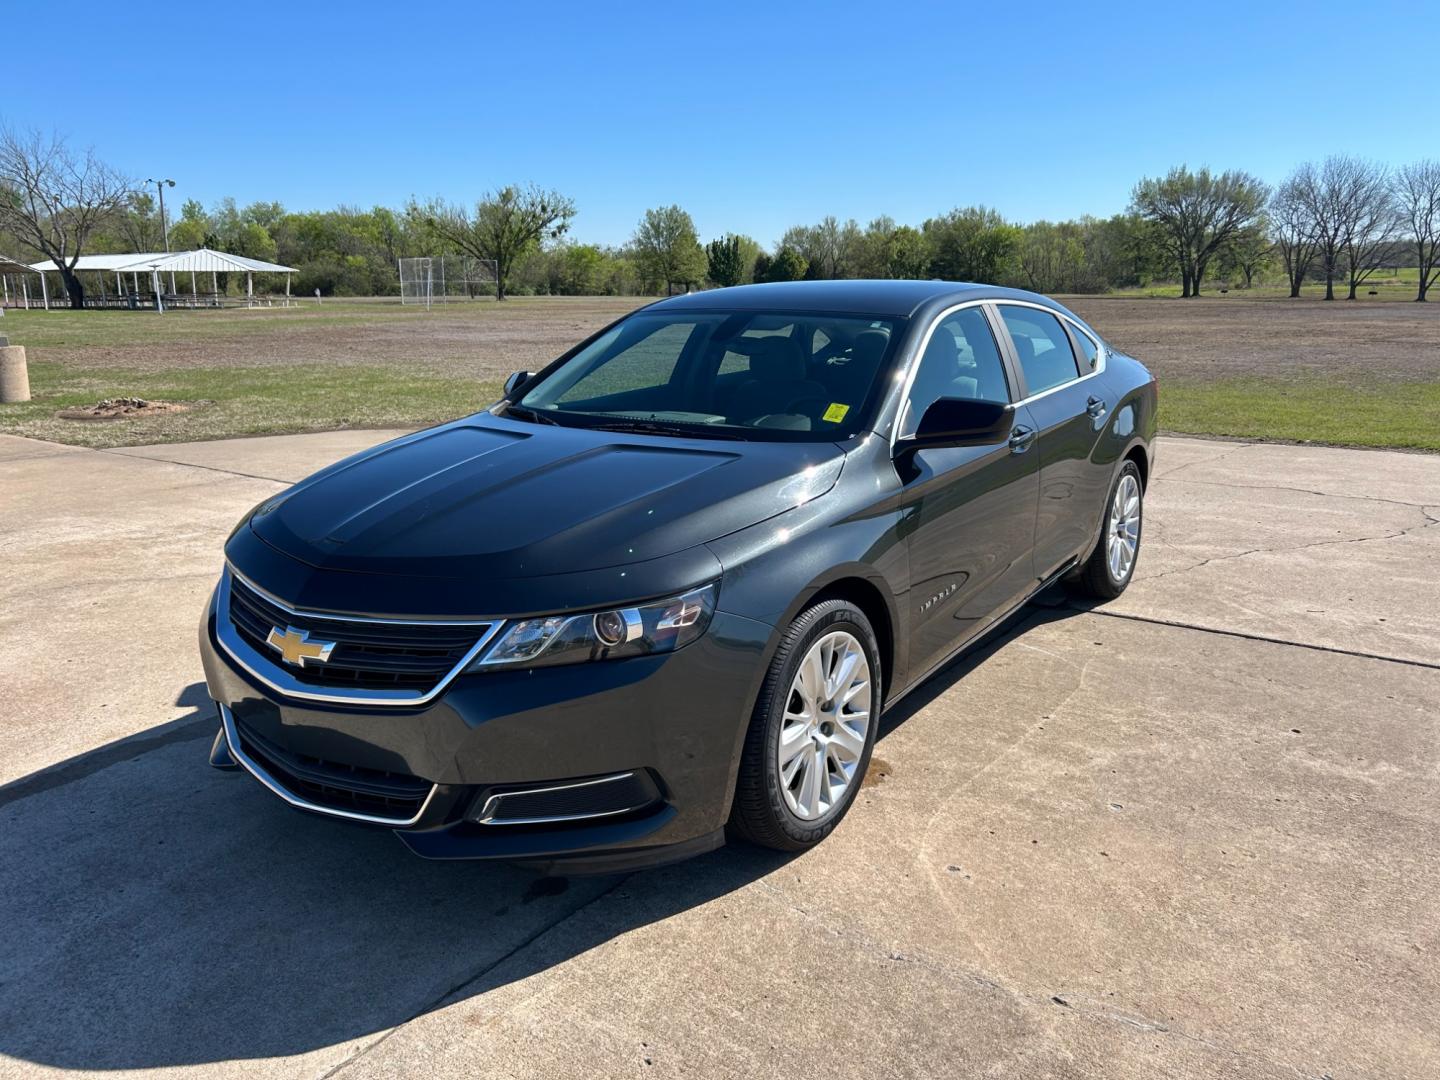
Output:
(1359, 342)
(479, 339)
(125, 408)
(878, 772)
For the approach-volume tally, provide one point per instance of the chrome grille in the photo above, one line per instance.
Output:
(373, 655)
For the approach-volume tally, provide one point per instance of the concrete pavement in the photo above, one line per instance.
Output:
(1187, 834)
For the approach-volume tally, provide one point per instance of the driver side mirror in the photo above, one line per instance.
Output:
(961, 422)
(516, 380)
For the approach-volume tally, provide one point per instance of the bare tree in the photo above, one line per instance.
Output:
(505, 226)
(1293, 226)
(1198, 212)
(1371, 223)
(1318, 192)
(1348, 203)
(51, 199)
(1417, 193)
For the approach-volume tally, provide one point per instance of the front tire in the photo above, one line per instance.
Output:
(1111, 565)
(811, 732)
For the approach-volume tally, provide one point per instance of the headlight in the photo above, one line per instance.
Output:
(612, 634)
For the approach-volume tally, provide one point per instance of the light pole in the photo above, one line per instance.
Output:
(160, 186)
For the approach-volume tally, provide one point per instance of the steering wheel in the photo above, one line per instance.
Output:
(794, 405)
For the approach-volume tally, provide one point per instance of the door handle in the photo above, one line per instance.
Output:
(1095, 407)
(1020, 439)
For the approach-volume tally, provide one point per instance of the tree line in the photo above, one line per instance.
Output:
(1338, 221)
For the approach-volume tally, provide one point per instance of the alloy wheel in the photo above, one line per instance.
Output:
(826, 722)
(1123, 534)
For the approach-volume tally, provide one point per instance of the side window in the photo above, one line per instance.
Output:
(960, 361)
(1043, 347)
(1089, 351)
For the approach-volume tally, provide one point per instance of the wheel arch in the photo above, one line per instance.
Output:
(1138, 454)
(871, 597)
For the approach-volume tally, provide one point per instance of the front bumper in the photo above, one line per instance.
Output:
(663, 732)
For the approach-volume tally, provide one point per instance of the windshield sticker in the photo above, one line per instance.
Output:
(836, 412)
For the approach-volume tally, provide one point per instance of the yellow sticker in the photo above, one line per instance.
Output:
(836, 412)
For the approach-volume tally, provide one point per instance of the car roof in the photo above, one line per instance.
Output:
(896, 298)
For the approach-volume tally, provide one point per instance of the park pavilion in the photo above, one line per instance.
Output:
(15, 283)
(155, 270)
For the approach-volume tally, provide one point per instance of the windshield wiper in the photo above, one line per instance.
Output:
(650, 427)
(523, 412)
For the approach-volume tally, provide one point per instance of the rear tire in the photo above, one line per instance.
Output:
(807, 747)
(1108, 570)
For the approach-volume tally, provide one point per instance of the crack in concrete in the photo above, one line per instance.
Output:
(1430, 520)
(1300, 490)
(41, 457)
(959, 974)
(91, 762)
(116, 451)
(83, 584)
(459, 987)
(1203, 461)
(1246, 636)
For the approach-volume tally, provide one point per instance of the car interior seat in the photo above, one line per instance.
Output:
(848, 378)
(984, 366)
(1043, 368)
(778, 383)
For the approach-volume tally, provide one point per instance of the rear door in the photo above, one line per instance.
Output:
(974, 506)
(1069, 410)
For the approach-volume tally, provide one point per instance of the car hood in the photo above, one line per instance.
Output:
(488, 498)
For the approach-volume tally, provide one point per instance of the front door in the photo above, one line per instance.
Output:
(973, 522)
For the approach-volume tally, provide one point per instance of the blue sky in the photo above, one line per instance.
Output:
(753, 117)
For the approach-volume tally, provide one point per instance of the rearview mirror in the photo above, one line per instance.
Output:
(961, 422)
(516, 380)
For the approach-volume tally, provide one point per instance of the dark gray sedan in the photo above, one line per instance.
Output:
(663, 590)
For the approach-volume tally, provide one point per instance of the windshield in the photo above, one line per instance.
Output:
(756, 375)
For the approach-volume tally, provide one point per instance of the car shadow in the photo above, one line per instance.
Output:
(155, 912)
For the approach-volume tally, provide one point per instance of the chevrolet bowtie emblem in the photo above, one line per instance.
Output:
(295, 646)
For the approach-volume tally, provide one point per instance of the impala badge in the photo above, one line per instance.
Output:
(295, 646)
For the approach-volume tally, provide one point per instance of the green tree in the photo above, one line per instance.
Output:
(1051, 256)
(906, 255)
(1247, 253)
(971, 244)
(787, 265)
(504, 226)
(137, 226)
(887, 250)
(187, 235)
(1121, 251)
(190, 231)
(830, 249)
(253, 241)
(726, 261)
(1197, 213)
(568, 270)
(667, 248)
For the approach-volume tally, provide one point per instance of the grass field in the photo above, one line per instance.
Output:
(1388, 284)
(1364, 373)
